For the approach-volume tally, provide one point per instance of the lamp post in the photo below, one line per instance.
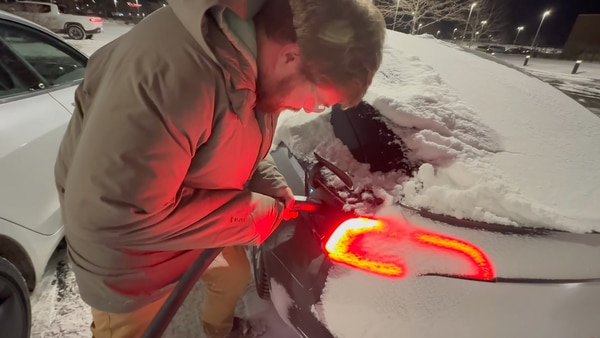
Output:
(396, 16)
(437, 35)
(483, 23)
(519, 29)
(468, 19)
(546, 13)
(419, 29)
(454, 32)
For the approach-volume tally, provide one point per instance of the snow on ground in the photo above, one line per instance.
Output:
(584, 86)
(112, 30)
(59, 312)
(587, 70)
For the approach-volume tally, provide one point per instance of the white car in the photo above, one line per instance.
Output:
(55, 18)
(39, 73)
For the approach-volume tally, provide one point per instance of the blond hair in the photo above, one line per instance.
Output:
(341, 41)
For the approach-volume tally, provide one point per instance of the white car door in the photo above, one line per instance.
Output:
(38, 72)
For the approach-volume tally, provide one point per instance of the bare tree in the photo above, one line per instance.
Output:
(415, 15)
(489, 18)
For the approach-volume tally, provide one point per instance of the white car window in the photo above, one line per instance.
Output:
(54, 61)
(36, 8)
(10, 84)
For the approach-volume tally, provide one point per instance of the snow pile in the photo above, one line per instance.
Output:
(497, 145)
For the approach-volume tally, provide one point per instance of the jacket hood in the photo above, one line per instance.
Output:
(240, 67)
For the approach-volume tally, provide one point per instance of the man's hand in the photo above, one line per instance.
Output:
(286, 195)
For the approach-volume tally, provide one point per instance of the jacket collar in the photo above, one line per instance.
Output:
(235, 56)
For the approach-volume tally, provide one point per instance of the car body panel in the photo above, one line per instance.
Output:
(32, 125)
(32, 130)
(38, 247)
(65, 96)
(444, 307)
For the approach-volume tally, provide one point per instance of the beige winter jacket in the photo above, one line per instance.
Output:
(163, 151)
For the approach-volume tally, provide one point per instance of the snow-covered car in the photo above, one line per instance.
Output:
(447, 205)
(39, 72)
(55, 18)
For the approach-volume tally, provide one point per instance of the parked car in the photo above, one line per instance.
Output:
(519, 50)
(55, 18)
(333, 273)
(496, 49)
(39, 73)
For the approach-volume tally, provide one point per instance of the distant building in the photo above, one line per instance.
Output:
(584, 40)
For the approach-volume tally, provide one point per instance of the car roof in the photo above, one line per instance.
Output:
(17, 19)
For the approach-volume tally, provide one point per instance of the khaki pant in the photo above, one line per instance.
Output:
(224, 286)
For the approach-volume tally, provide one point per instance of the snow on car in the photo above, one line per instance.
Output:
(495, 234)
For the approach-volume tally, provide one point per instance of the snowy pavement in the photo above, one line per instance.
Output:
(584, 86)
(59, 312)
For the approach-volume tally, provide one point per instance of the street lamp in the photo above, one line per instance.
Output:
(476, 36)
(519, 29)
(419, 29)
(546, 13)
(454, 32)
(468, 19)
(437, 35)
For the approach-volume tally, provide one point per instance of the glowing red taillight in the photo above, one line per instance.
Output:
(95, 19)
(340, 248)
(344, 246)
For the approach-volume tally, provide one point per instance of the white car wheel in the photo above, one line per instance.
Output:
(76, 32)
(15, 307)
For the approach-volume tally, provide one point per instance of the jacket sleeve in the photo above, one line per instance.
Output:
(125, 180)
(267, 179)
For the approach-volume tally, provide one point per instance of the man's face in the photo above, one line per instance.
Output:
(282, 86)
(293, 92)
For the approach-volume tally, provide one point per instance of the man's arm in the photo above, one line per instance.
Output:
(267, 179)
(124, 184)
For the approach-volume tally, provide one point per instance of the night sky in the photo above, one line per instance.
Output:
(556, 28)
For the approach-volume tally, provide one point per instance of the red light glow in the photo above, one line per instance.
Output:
(342, 247)
(95, 19)
(339, 245)
(484, 267)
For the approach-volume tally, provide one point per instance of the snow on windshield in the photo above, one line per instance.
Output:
(504, 161)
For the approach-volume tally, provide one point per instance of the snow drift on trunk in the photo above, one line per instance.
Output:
(496, 145)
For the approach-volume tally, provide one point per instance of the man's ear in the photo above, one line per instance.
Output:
(289, 59)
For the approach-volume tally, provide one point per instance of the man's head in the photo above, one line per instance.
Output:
(313, 54)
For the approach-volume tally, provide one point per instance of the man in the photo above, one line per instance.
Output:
(166, 152)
